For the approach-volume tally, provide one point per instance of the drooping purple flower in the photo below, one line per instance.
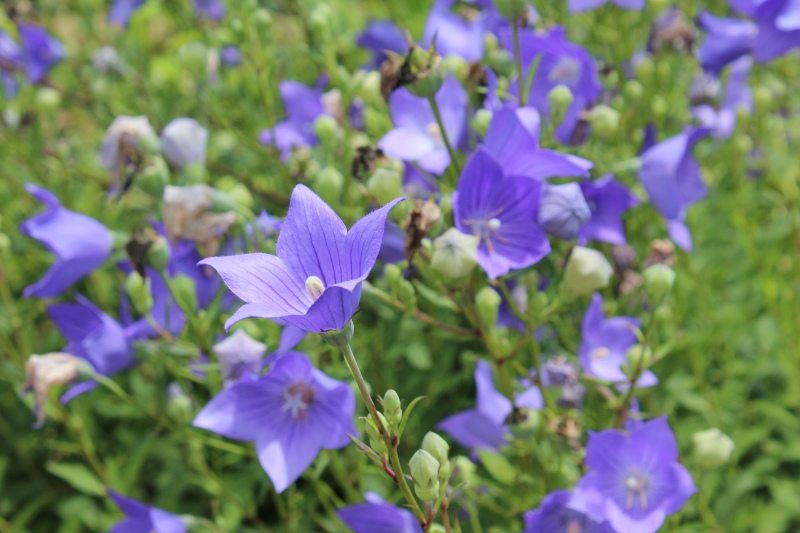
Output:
(93, 336)
(230, 55)
(563, 210)
(416, 136)
(578, 6)
(377, 516)
(210, 9)
(738, 96)
(122, 10)
(40, 51)
(303, 106)
(608, 199)
(291, 413)
(671, 176)
(562, 63)
(314, 282)
(379, 37)
(502, 210)
(637, 475)
(778, 28)
(80, 244)
(605, 343)
(141, 518)
(565, 512)
(727, 39)
(485, 427)
(239, 356)
(459, 34)
(513, 140)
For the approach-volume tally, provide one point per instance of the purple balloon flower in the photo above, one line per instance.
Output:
(746, 7)
(80, 244)
(40, 51)
(738, 95)
(637, 475)
(379, 37)
(608, 199)
(314, 282)
(673, 181)
(563, 210)
(485, 426)
(377, 516)
(141, 518)
(513, 140)
(122, 10)
(605, 343)
(727, 40)
(303, 106)
(230, 55)
(577, 6)
(502, 210)
(10, 60)
(210, 9)
(291, 413)
(565, 512)
(239, 356)
(562, 63)
(455, 34)
(778, 28)
(416, 136)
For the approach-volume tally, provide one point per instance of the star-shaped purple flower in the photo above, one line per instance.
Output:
(608, 200)
(637, 475)
(210, 9)
(503, 211)
(303, 106)
(564, 512)
(141, 518)
(605, 343)
(456, 34)
(314, 282)
(727, 39)
(673, 181)
(778, 28)
(563, 210)
(485, 427)
(738, 96)
(291, 413)
(577, 6)
(239, 356)
(377, 516)
(80, 244)
(40, 51)
(416, 136)
(379, 37)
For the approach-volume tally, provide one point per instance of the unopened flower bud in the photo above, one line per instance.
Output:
(370, 90)
(385, 185)
(319, 22)
(762, 97)
(184, 142)
(47, 98)
(375, 440)
(329, 183)
(241, 195)
(392, 409)
(526, 423)
(560, 98)
(659, 106)
(454, 253)
(633, 90)
(487, 302)
(154, 177)
(138, 289)
(587, 270)
(158, 254)
(42, 372)
(184, 292)
(658, 282)
(458, 66)
(407, 293)
(148, 144)
(429, 73)
(712, 448)
(511, 10)
(437, 447)
(179, 404)
(193, 56)
(425, 471)
(392, 274)
(604, 121)
(262, 22)
(326, 128)
(645, 69)
(563, 210)
(480, 123)
(640, 357)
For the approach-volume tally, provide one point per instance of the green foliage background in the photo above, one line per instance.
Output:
(734, 322)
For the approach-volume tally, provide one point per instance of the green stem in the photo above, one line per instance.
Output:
(397, 466)
(518, 59)
(440, 122)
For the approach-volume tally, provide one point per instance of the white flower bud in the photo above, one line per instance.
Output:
(425, 471)
(712, 448)
(587, 270)
(184, 141)
(454, 253)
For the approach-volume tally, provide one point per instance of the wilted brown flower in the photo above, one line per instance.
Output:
(418, 223)
(188, 215)
(42, 372)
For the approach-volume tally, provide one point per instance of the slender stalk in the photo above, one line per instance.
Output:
(440, 122)
(518, 59)
(445, 518)
(352, 364)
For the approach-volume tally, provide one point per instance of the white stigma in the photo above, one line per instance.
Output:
(566, 71)
(297, 399)
(636, 485)
(435, 131)
(493, 224)
(599, 353)
(314, 287)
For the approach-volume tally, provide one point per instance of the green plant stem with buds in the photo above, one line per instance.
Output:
(518, 59)
(440, 123)
(391, 445)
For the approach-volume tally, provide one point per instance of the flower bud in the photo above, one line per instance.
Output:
(604, 121)
(370, 90)
(633, 90)
(487, 302)
(154, 177)
(659, 106)
(179, 404)
(326, 128)
(241, 195)
(480, 123)
(47, 98)
(762, 97)
(42, 372)
(645, 69)
(375, 439)
(439, 449)
(454, 253)
(425, 471)
(458, 66)
(407, 293)
(428, 71)
(329, 183)
(183, 289)
(640, 357)
(712, 448)
(385, 185)
(526, 424)
(158, 253)
(563, 210)
(192, 56)
(184, 142)
(138, 289)
(587, 270)
(392, 409)
(658, 282)
(560, 98)
(392, 274)
(319, 22)
(261, 19)
(511, 10)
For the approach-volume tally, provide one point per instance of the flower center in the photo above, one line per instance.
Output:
(566, 71)
(599, 353)
(314, 287)
(435, 132)
(487, 228)
(636, 485)
(297, 398)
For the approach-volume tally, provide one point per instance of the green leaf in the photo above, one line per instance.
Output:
(406, 414)
(435, 298)
(77, 475)
(498, 467)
